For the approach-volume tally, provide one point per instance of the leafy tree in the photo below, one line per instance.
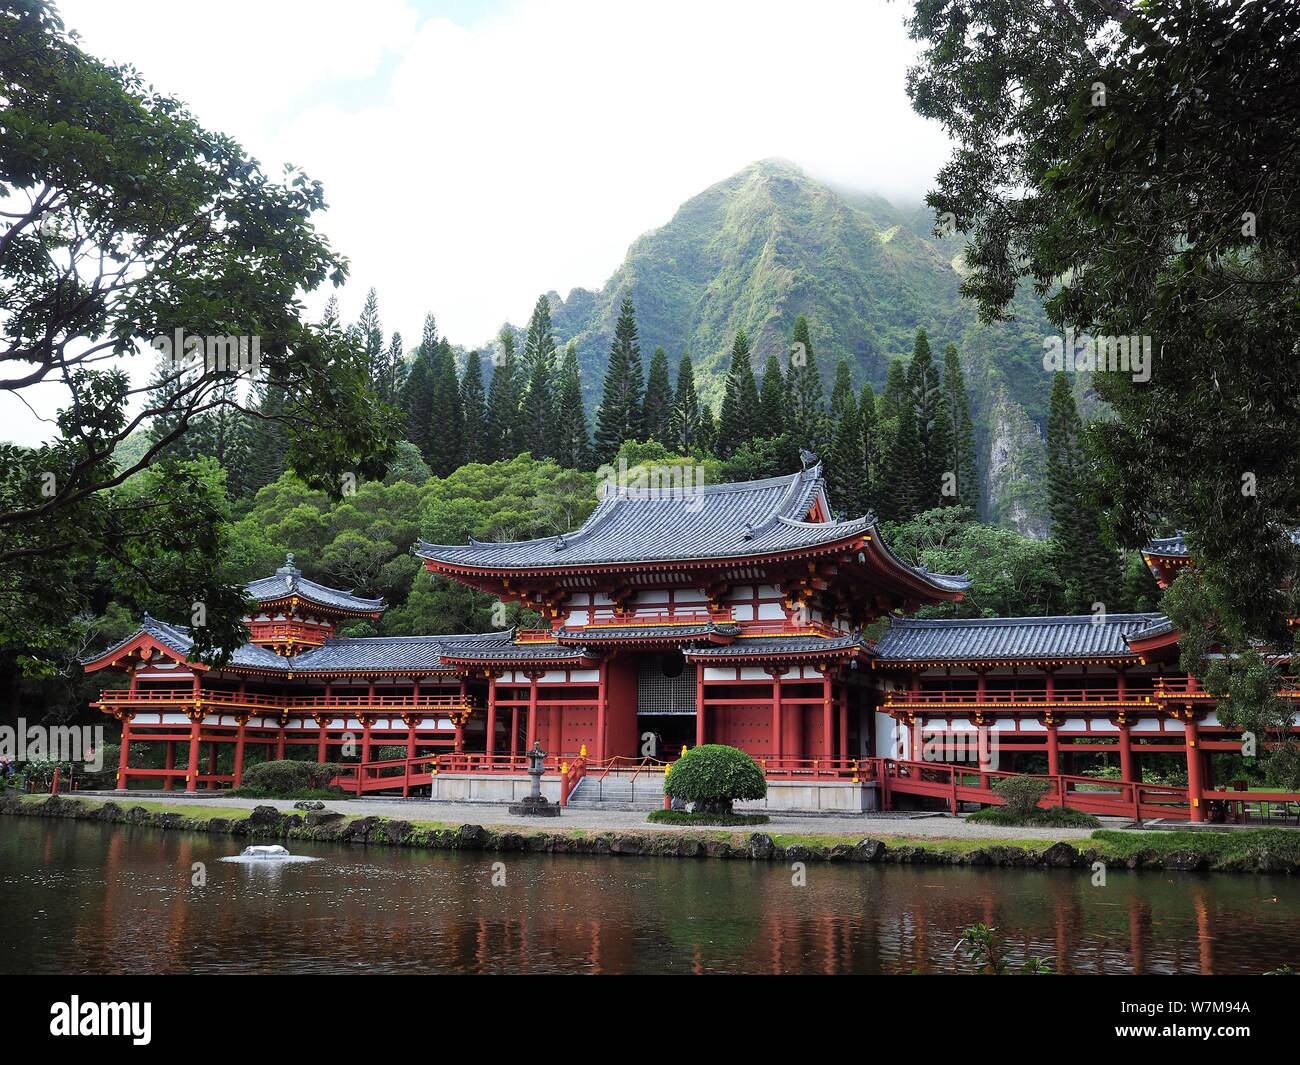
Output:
(572, 444)
(963, 429)
(658, 398)
(1134, 162)
(713, 776)
(621, 415)
(736, 421)
(473, 402)
(772, 399)
(126, 219)
(764, 456)
(1013, 575)
(536, 414)
(503, 400)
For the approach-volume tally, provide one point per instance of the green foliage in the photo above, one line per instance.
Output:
(1056, 817)
(504, 398)
(536, 427)
(289, 779)
(981, 944)
(1195, 250)
(740, 406)
(713, 776)
(133, 221)
(1013, 575)
(701, 817)
(621, 415)
(1020, 793)
(658, 397)
(571, 443)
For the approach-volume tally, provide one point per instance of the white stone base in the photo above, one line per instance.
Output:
(826, 796)
(500, 787)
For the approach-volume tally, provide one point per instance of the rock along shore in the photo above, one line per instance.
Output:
(269, 823)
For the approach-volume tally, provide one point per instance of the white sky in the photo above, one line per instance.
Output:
(477, 154)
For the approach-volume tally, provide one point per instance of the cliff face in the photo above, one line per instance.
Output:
(1017, 469)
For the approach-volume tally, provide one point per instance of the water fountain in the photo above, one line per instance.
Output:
(271, 854)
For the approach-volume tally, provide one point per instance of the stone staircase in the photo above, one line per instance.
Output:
(619, 791)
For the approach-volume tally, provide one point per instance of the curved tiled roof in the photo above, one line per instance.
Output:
(721, 521)
(288, 581)
(766, 646)
(985, 639)
(647, 632)
(1167, 545)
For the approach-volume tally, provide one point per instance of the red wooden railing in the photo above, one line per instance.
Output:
(223, 699)
(1104, 695)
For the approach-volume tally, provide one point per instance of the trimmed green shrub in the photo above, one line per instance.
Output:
(289, 779)
(1056, 817)
(701, 817)
(713, 776)
(1021, 793)
(389, 752)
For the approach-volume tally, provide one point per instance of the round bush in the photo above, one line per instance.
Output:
(713, 776)
(1021, 794)
(289, 778)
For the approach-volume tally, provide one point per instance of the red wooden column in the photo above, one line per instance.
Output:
(844, 720)
(366, 722)
(1195, 784)
(914, 722)
(238, 767)
(602, 698)
(322, 736)
(491, 716)
(1126, 751)
(778, 744)
(1053, 747)
(192, 767)
(701, 725)
(169, 762)
(828, 721)
(530, 736)
(124, 754)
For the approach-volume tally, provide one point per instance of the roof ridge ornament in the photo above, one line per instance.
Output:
(807, 459)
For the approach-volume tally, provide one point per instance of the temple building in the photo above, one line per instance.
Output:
(743, 614)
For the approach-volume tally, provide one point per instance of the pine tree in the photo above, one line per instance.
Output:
(503, 400)
(536, 426)
(474, 405)
(685, 415)
(621, 415)
(846, 473)
(772, 399)
(417, 392)
(899, 496)
(936, 484)
(1089, 569)
(658, 399)
(807, 405)
(370, 335)
(738, 418)
(392, 372)
(894, 394)
(869, 426)
(268, 439)
(572, 446)
(707, 433)
(447, 426)
(842, 390)
(963, 429)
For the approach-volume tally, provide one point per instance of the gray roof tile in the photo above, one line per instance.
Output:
(990, 639)
(761, 646)
(288, 580)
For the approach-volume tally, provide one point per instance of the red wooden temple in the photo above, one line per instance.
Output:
(743, 614)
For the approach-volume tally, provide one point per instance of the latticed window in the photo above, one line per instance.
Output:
(665, 685)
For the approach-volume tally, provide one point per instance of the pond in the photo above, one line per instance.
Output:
(80, 897)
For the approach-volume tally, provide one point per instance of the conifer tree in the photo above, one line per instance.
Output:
(963, 429)
(571, 446)
(417, 392)
(503, 400)
(473, 401)
(370, 335)
(621, 415)
(447, 424)
(936, 479)
(536, 425)
(658, 398)
(841, 390)
(268, 438)
(1089, 569)
(772, 399)
(846, 473)
(869, 426)
(894, 394)
(899, 496)
(738, 416)
(707, 433)
(685, 417)
(807, 405)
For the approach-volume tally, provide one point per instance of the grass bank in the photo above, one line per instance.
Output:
(1260, 850)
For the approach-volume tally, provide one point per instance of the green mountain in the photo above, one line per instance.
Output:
(770, 243)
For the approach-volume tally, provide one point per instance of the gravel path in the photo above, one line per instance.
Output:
(896, 824)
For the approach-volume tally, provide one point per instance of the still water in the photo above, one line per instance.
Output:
(77, 897)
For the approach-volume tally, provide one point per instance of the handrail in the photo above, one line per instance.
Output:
(1003, 697)
(212, 697)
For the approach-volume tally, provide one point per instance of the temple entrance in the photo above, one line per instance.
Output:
(665, 711)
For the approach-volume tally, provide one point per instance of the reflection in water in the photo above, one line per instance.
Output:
(81, 897)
